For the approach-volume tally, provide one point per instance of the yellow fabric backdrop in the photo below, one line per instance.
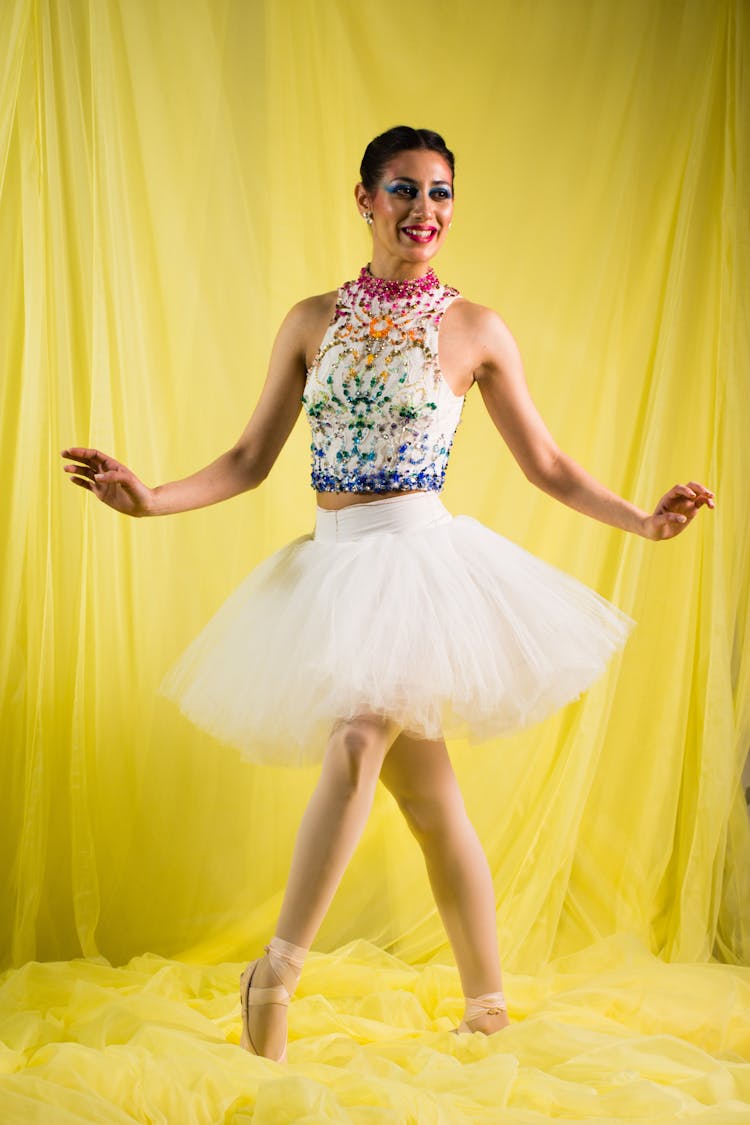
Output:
(173, 176)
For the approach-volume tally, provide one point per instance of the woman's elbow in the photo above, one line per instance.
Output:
(250, 468)
(545, 470)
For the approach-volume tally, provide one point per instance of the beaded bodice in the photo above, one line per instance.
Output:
(381, 414)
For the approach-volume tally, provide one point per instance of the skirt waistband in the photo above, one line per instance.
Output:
(412, 512)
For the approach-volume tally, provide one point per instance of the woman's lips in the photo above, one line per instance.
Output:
(420, 234)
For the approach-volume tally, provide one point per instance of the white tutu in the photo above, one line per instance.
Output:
(393, 607)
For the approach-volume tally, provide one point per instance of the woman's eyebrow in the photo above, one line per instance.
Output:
(409, 180)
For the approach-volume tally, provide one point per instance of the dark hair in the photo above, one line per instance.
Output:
(401, 138)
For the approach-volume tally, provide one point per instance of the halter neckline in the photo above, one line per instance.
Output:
(387, 289)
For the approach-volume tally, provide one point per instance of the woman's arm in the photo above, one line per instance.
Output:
(240, 468)
(502, 384)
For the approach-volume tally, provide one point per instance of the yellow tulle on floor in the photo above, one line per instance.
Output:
(173, 177)
(609, 1034)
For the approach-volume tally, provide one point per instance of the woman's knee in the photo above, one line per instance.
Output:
(432, 815)
(356, 750)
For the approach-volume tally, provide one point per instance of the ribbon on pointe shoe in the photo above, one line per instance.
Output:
(288, 954)
(490, 1004)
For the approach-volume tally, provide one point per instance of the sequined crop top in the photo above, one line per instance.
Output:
(381, 414)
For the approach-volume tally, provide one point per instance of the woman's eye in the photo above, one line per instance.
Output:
(410, 191)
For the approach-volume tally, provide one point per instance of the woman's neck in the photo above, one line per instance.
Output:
(390, 268)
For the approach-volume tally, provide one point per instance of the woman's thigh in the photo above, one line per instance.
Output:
(419, 774)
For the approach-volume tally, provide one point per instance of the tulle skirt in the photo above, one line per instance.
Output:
(394, 608)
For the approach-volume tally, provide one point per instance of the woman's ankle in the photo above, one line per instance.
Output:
(486, 1024)
(286, 960)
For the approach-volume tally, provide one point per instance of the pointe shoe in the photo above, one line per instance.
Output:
(279, 951)
(490, 1004)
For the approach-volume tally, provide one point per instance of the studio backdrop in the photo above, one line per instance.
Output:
(173, 177)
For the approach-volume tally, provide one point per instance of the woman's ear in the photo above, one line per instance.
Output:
(363, 201)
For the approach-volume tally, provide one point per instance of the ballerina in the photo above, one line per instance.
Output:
(394, 625)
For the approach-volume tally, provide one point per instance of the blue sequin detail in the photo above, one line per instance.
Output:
(382, 416)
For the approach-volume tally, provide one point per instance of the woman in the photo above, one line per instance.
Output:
(395, 624)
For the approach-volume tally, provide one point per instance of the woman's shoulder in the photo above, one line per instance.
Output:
(312, 308)
(468, 316)
(307, 321)
(310, 316)
(477, 337)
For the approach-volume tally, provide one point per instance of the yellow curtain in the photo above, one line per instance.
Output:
(173, 176)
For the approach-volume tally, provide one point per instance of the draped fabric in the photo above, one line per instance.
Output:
(173, 177)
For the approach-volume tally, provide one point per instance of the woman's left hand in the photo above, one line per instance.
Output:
(676, 510)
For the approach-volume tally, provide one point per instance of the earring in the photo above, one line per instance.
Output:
(367, 216)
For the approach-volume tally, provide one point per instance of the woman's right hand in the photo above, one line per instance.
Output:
(110, 481)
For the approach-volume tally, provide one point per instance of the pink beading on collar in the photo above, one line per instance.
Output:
(393, 290)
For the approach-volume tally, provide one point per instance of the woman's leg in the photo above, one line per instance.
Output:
(330, 829)
(420, 776)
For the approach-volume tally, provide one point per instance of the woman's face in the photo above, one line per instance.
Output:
(411, 207)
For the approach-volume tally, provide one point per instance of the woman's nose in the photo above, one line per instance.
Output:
(422, 206)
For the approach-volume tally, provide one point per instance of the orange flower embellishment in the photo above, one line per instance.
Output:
(380, 326)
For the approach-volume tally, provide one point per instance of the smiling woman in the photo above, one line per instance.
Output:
(395, 625)
(406, 191)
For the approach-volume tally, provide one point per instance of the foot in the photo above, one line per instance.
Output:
(486, 1014)
(266, 987)
(487, 1024)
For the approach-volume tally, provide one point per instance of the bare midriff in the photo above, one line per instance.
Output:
(335, 501)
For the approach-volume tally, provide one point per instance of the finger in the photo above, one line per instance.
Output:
(80, 452)
(110, 476)
(82, 463)
(82, 483)
(705, 493)
(681, 505)
(93, 458)
(683, 490)
(84, 470)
